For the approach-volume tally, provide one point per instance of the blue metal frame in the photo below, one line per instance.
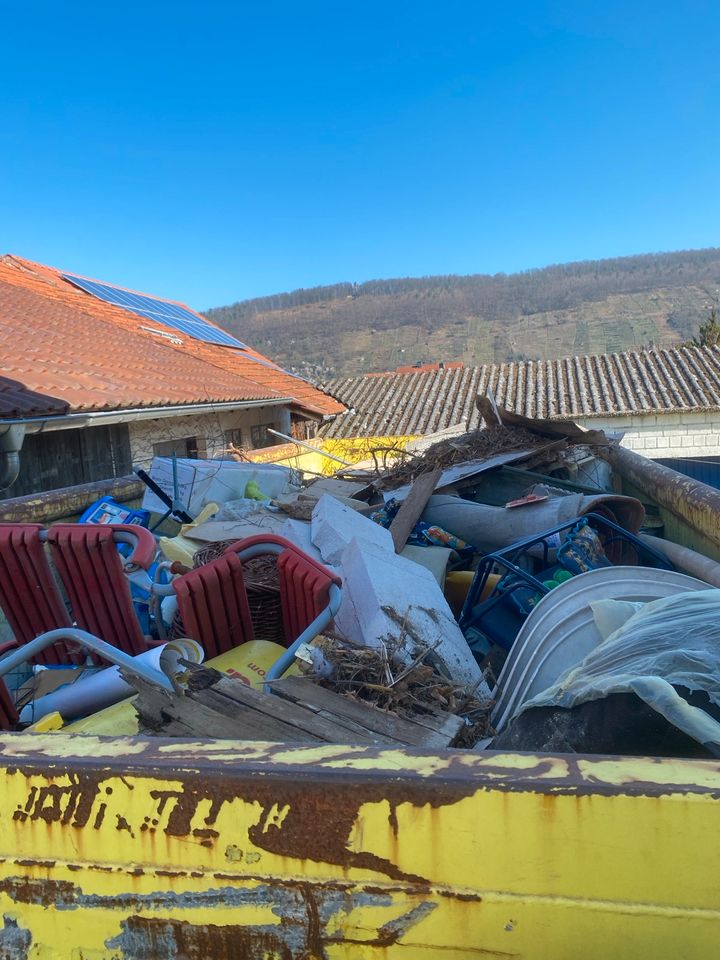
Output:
(508, 557)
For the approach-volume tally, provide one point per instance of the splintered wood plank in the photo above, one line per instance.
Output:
(429, 732)
(412, 507)
(165, 713)
(286, 721)
(446, 725)
(218, 706)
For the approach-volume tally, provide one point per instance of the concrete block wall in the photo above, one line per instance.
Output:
(665, 434)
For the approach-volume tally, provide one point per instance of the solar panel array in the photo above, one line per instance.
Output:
(160, 311)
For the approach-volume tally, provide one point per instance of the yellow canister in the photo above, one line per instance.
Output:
(457, 585)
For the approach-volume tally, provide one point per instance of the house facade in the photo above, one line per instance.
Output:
(90, 389)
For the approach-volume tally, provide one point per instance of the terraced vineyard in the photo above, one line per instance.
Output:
(583, 308)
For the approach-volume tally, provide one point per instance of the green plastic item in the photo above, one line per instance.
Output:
(253, 492)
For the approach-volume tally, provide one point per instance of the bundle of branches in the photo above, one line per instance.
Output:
(378, 676)
(477, 445)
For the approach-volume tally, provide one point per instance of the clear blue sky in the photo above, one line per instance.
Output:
(218, 151)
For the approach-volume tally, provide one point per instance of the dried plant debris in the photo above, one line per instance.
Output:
(477, 445)
(380, 676)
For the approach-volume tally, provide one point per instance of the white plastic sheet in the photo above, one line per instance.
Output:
(205, 481)
(668, 643)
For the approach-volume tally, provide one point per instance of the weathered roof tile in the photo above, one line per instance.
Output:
(615, 384)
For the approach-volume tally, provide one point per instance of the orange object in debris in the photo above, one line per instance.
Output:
(524, 501)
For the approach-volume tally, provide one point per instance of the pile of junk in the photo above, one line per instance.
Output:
(486, 590)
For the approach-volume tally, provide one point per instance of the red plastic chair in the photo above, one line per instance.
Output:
(94, 576)
(213, 603)
(29, 596)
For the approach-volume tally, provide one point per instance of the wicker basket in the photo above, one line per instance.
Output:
(262, 584)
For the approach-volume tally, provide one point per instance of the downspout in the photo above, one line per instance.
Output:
(11, 441)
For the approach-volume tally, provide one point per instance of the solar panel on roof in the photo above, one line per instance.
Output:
(160, 311)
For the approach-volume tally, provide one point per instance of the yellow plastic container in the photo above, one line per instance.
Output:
(181, 549)
(457, 585)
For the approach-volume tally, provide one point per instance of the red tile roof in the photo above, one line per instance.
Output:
(62, 350)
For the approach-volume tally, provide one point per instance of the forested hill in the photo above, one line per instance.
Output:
(576, 308)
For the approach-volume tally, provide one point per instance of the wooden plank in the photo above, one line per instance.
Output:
(164, 713)
(430, 733)
(253, 724)
(298, 698)
(412, 507)
(219, 706)
(281, 721)
(293, 712)
(445, 725)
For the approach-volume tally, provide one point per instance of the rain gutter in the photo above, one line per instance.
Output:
(69, 420)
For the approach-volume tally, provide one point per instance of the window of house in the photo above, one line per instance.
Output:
(302, 429)
(192, 448)
(234, 438)
(260, 437)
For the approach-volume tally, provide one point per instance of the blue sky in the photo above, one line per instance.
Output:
(226, 150)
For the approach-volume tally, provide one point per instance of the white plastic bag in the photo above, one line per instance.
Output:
(668, 643)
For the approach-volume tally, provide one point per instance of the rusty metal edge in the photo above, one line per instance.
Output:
(696, 503)
(67, 501)
(427, 771)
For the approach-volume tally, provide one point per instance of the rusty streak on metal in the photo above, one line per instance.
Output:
(217, 769)
(15, 941)
(689, 500)
(306, 910)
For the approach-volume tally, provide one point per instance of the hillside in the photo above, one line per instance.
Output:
(577, 308)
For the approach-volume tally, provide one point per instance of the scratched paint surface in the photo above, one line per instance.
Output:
(134, 849)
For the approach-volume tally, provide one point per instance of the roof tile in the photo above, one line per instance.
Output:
(615, 384)
(62, 350)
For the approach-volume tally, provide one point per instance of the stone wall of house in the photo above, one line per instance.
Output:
(666, 434)
(210, 428)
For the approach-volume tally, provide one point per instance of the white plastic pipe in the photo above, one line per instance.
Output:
(99, 690)
(686, 560)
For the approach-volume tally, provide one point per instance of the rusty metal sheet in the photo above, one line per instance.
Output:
(135, 848)
(692, 502)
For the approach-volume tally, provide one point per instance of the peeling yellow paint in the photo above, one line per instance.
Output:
(138, 848)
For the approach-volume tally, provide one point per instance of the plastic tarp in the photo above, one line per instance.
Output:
(204, 481)
(491, 528)
(673, 642)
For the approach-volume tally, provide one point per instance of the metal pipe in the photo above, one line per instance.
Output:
(309, 633)
(11, 441)
(308, 446)
(87, 640)
(9, 469)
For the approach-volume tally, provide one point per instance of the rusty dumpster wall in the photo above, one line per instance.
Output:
(152, 848)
